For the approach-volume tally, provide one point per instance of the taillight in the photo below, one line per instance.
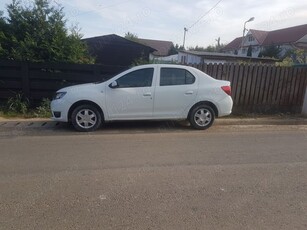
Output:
(227, 89)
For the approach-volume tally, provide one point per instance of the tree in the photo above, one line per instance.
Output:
(210, 48)
(172, 50)
(249, 51)
(272, 51)
(179, 47)
(294, 57)
(38, 33)
(132, 37)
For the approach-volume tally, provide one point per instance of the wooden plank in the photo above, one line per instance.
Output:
(292, 89)
(10, 85)
(219, 71)
(10, 73)
(284, 87)
(289, 85)
(244, 83)
(269, 99)
(64, 76)
(50, 85)
(258, 85)
(239, 85)
(25, 80)
(9, 63)
(255, 78)
(280, 85)
(62, 66)
(275, 83)
(205, 68)
(225, 75)
(266, 88)
(262, 85)
(248, 85)
(5, 94)
(210, 67)
(235, 80)
(297, 85)
(202, 67)
(214, 71)
(302, 87)
(231, 74)
(39, 95)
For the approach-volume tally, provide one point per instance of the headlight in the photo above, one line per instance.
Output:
(59, 95)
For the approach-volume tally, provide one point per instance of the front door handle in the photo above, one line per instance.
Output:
(147, 94)
(189, 92)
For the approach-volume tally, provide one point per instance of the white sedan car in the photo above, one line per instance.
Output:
(147, 92)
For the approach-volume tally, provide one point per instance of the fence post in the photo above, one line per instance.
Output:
(304, 109)
(25, 80)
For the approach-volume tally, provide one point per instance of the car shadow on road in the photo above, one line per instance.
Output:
(139, 126)
(15, 128)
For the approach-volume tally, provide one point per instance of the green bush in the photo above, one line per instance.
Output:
(43, 110)
(17, 105)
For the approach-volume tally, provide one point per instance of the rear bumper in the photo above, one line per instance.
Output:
(225, 106)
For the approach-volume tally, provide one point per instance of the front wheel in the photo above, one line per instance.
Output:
(201, 117)
(86, 118)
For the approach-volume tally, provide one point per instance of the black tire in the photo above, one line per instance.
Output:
(201, 117)
(92, 118)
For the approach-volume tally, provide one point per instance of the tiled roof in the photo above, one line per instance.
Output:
(287, 35)
(277, 37)
(235, 44)
(114, 39)
(259, 35)
(162, 47)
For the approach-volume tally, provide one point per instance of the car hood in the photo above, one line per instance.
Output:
(79, 87)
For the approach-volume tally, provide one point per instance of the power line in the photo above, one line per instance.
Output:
(185, 29)
(212, 8)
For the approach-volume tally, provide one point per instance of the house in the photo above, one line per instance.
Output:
(113, 50)
(164, 50)
(257, 40)
(200, 57)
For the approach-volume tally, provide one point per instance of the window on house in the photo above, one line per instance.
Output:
(251, 38)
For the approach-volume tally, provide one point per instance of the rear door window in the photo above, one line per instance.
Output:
(175, 76)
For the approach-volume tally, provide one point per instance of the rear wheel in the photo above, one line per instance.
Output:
(202, 117)
(86, 118)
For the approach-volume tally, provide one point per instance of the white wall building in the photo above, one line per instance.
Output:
(257, 40)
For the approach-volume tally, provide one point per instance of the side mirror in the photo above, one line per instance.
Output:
(113, 85)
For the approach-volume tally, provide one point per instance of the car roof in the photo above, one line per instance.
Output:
(164, 65)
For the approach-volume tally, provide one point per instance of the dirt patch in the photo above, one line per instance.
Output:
(23, 119)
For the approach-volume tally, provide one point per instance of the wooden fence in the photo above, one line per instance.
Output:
(255, 88)
(40, 80)
(262, 88)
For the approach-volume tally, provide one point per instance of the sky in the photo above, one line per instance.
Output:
(206, 20)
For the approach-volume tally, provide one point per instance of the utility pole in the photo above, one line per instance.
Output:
(185, 30)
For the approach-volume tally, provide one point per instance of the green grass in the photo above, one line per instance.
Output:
(17, 107)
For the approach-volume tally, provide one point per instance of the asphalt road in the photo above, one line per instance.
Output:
(237, 177)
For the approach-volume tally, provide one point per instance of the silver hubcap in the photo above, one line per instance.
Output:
(86, 118)
(202, 117)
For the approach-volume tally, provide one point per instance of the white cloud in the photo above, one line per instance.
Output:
(165, 20)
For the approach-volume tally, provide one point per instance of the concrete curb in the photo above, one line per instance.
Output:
(218, 122)
(261, 121)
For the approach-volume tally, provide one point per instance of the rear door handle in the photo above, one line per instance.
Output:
(147, 94)
(189, 92)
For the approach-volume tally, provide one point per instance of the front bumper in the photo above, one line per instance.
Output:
(59, 109)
